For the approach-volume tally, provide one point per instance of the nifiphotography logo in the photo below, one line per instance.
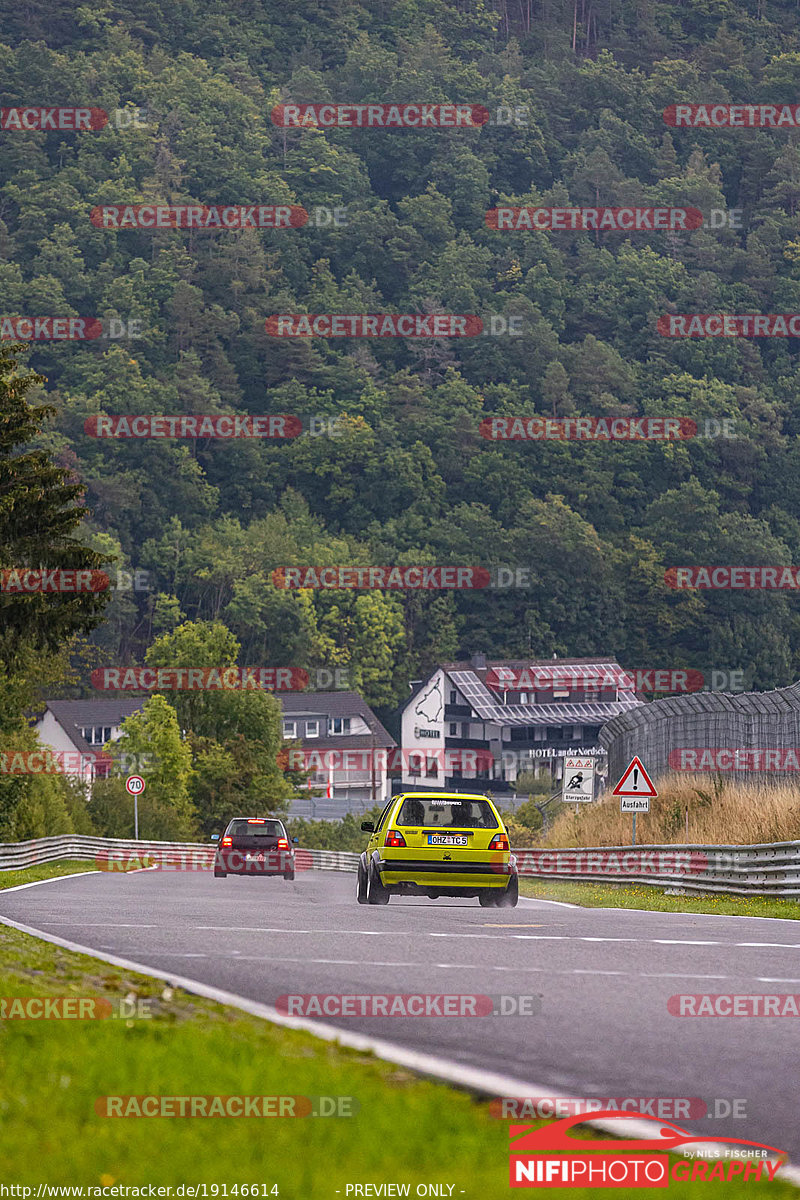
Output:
(549, 1157)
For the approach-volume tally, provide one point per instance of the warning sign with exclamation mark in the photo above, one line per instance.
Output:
(635, 788)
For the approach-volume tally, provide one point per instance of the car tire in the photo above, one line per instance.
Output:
(219, 874)
(361, 885)
(487, 899)
(510, 897)
(376, 892)
(288, 875)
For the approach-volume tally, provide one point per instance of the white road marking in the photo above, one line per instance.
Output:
(680, 975)
(105, 924)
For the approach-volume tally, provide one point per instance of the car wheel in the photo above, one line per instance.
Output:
(361, 885)
(288, 875)
(219, 874)
(376, 892)
(488, 899)
(510, 896)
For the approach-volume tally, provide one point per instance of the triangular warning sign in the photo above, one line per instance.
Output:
(635, 781)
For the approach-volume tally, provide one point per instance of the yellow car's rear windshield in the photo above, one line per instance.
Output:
(446, 814)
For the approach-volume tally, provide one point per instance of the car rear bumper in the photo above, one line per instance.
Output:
(450, 874)
(273, 862)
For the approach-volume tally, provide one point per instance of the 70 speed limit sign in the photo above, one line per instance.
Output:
(578, 781)
(134, 785)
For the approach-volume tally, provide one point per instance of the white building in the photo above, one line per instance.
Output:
(481, 724)
(77, 730)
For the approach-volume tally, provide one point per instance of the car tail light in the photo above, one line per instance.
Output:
(393, 838)
(255, 820)
(499, 842)
(283, 844)
(227, 842)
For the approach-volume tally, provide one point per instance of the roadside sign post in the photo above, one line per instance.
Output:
(577, 786)
(635, 789)
(134, 786)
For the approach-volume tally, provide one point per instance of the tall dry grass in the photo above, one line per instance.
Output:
(721, 811)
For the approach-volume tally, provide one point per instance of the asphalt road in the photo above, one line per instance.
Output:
(603, 1028)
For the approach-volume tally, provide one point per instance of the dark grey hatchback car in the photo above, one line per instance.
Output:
(254, 846)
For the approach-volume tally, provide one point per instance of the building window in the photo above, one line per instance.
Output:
(340, 725)
(312, 729)
(453, 699)
(577, 732)
(523, 697)
(560, 693)
(453, 729)
(289, 729)
(540, 733)
(96, 735)
(432, 768)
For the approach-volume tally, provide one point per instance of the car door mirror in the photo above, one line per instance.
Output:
(215, 837)
(368, 826)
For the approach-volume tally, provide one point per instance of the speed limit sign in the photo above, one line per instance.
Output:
(134, 785)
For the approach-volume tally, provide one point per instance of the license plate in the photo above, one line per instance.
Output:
(255, 858)
(438, 839)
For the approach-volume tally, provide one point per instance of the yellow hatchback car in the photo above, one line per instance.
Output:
(438, 844)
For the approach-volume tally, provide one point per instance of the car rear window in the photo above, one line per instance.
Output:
(245, 828)
(447, 814)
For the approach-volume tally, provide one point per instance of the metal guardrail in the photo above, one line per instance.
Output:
(768, 869)
(118, 854)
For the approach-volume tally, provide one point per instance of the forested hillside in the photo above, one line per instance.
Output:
(408, 478)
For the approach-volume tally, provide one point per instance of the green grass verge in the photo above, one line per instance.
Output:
(51, 870)
(623, 895)
(406, 1130)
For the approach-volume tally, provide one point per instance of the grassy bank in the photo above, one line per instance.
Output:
(44, 871)
(720, 812)
(609, 895)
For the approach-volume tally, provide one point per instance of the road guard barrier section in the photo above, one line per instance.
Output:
(768, 869)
